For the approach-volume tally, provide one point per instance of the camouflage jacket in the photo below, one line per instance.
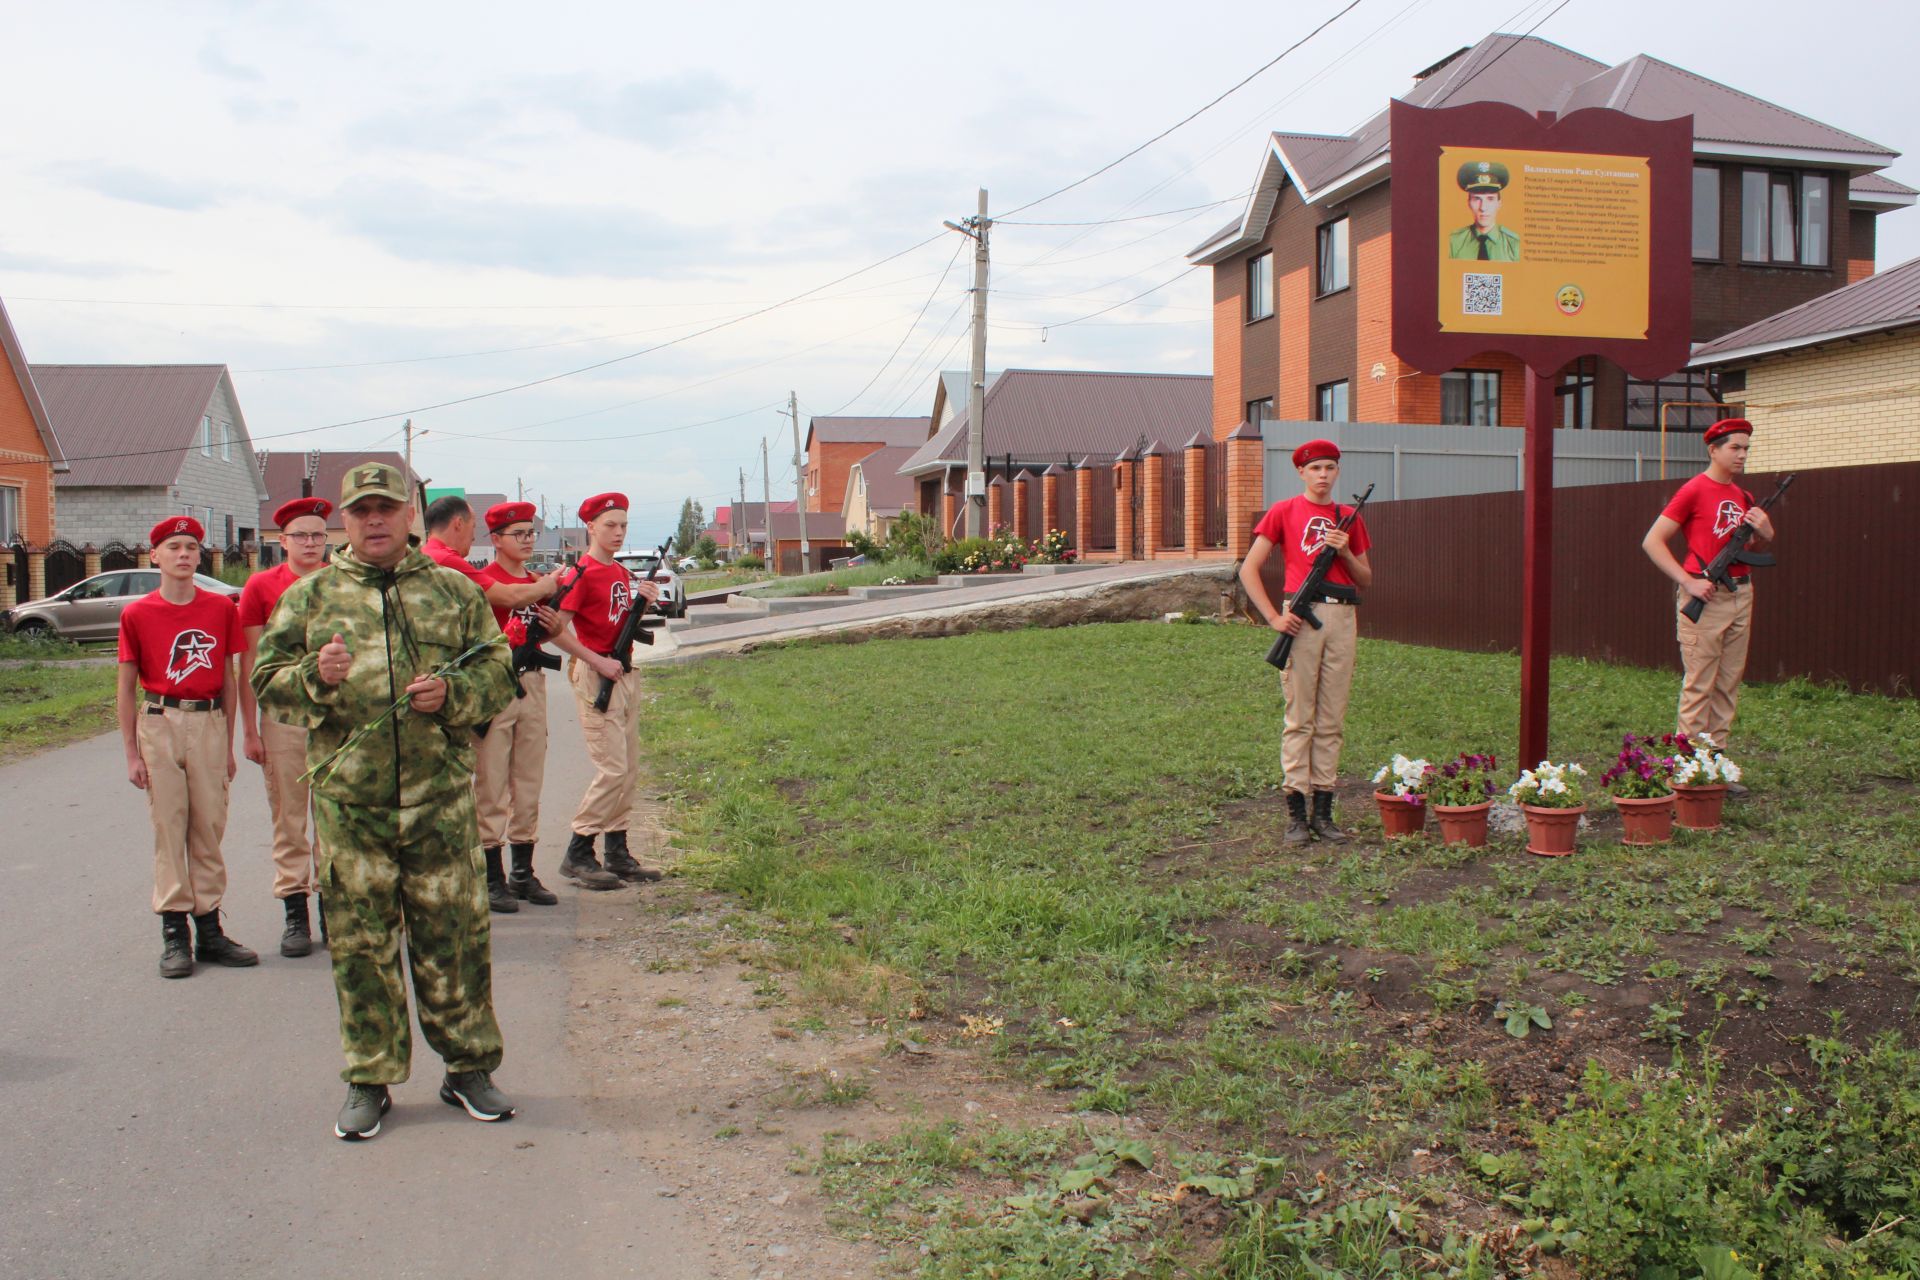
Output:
(398, 624)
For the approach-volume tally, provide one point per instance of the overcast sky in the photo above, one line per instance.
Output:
(370, 209)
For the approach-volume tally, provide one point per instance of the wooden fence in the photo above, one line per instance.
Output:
(1841, 605)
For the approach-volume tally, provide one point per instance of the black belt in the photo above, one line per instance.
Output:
(157, 704)
(1732, 584)
(1325, 599)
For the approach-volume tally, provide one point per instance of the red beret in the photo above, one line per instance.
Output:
(173, 527)
(601, 502)
(1314, 450)
(1728, 427)
(288, 512)
(502, 514)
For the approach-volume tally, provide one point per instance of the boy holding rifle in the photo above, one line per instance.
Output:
(1320, 672)
(1713, 650)
(595, 610)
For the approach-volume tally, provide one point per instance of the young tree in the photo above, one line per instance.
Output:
(692, 520)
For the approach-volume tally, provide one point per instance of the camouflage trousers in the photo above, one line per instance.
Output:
(417, 872)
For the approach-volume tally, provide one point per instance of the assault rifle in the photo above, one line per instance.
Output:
(634, 628)
(1719, 571)
(528, 656)
(1316, 587)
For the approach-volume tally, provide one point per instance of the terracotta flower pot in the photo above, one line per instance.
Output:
(1550, 832)
(1698, 808)
(1463, 823)
(1397, 817)
(1648, 821)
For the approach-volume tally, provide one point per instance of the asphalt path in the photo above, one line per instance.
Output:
(159, 1128)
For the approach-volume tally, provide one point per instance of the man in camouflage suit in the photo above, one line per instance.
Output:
(400, 850)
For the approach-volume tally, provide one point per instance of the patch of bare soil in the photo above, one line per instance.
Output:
(722, 1091)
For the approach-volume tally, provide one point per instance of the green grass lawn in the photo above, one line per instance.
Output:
(865, 575)
(1076, 832)
(48, 704)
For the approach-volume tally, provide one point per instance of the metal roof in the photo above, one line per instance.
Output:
(1036, 413)
(821, 525)
(131, 424)
(879, 432)
(1538, 75)
(887, 490)
(23, 375)
(285, 467)
(1889, 300)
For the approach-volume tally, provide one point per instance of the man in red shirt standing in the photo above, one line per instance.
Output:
(1320, 673)
(281, 749)
(178, 645)
(449, 522)
(1706, 511)
(595, 609)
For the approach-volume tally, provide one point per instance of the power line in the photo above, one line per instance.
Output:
(1350, 7)
(1061, 324)
(1510, 45)
(917, 316)
(1138, 217)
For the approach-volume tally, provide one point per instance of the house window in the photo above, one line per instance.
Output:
(1785, 217)
(226, 442)
(1470, 397)
(1697, 391)
(1259, 287)
(1706, 211)
(1335, 273)
(9, 513)
(1259, 411)
(1576, 393)
(206, 437)
(1333, 402)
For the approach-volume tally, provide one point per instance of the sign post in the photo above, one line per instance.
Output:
(1546, 240)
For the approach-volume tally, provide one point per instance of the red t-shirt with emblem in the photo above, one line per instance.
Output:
(262, 592)
(1708, 512)
(447, 558)
(599, 604)
(1299, 527)
(181, 650)
(512, 621)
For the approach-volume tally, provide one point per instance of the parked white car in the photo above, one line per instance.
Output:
(673, 592)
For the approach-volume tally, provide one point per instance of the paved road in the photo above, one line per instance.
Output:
(161, 1129)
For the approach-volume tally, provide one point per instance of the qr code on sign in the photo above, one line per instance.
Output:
(1480, 294)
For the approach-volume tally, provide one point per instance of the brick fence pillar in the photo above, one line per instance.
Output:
(1050, 498)
(36, 575)
(1126, 470)
(89, 560)
(1246, 466)
(1196, 478)
(1022, 502)
(1153, 509)
(253, 557)
(219, 561)
(1083, 507)
(996, 505)
(9, 594)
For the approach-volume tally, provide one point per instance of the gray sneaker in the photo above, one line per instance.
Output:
(474, 1091)
(360, 1118)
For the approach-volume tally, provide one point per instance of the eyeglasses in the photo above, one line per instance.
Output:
(303, 537)
(518, 535)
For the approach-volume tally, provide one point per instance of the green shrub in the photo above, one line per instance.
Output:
(875, 552)
(951, 558)
(913, 536)
(750, 561)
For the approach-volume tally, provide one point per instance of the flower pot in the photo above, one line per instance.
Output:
(1550, 832)
(1698, 808)
(1463, 823)
(1648, 821)
(1397, 817)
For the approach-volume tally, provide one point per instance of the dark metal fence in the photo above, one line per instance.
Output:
(1836, 608)
(1216, 491)
(1102, 532)
(1173, 501)
(65, 565)
(15, 558)
(1069, 508)
(118, 555)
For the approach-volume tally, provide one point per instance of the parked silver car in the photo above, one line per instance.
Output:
(673, 592)
(90, 609)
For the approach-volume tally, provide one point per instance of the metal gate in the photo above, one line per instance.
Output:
(1102, 532)
(65, 566)
(1214, 487)
(118, 555)
(16, 563)
(1173, 500)
(1069, 506)
(1137, 503)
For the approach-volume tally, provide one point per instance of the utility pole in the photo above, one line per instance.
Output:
(799, 482)
(738, 533)
(519, 490)
(766, 494)
(407, 428)
(977, 227)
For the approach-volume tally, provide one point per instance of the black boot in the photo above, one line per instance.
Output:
(622, 863)
(298, 939)
(498, 899)
(176, 959)
(320, 909)
(580, 866)
(1297, 832)
(212, 943)
(1321, 824)
(522, 883)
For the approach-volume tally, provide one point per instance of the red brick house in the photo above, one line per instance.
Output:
(835, 444)
(29, 457)
(1784, 211)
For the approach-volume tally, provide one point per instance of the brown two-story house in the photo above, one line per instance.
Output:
(1784, 209)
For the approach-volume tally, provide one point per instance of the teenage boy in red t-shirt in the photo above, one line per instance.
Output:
(281, 749)
(1706, 511)
(178, 645)
(594, 610)
(1320, 672)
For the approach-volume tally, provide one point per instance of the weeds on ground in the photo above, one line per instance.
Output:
(50, 704)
